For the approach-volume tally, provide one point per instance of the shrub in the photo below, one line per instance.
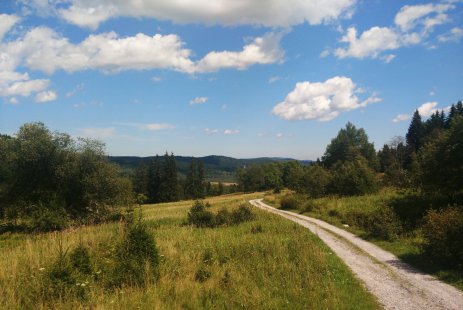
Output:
(199, 216)
(443, 231)
(136, 256)
(353, 178)
(382, 223)
(242, 214)
(223, 217)
(45, 218)
(289, 202)
(202, 274)
(80, 259)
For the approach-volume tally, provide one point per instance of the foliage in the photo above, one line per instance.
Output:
(289, 202)
(352, 178)
(443, 231)
(315, 181)
(194, 183)
(349, 144)
(47, 175)
(200, 217)
(136, 256)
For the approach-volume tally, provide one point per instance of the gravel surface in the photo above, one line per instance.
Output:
(395, 284)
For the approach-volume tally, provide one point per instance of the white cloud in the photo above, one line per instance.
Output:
(428, 108)
(156, 79)
(13, 100)
(272, 13)
(279, 135)
(198, 100)
(75, 90)
(413, 24)
(6, 23)
(454, 35)
(231, 132)
(273, 79)
(432, 93)
(98, 133)
(325, 53)
(263, 50)
(45, 50)
(86, 104)
(157, 126)
(19, 84)
(410, 16)
(369, 44)
(401, 118)
(322, 101)
(46, 96)
(211, 131)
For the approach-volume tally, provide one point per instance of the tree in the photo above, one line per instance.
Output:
(140, 180)
(169, 189)
(349, 144)
(415, 133)
(315, 181)
(351, 178)
(441, 162)
(194, 183)
(154, 180)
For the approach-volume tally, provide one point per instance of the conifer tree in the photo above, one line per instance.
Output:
(415, 133)
(154, 180)
(169, 190)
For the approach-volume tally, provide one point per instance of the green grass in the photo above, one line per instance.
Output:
(279, 266)
(341, 211)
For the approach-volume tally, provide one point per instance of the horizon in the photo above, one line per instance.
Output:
(249, 81)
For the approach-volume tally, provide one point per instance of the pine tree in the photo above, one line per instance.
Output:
(154, 180)
(194, 185)
(169, 190)
(415, 133)
(140, 181)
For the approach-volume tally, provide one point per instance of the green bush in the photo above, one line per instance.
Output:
(353, 178)
(289, 202)
(242, 214)
(443, 234)
(199, 216)
(382, 223)
(45, 217)
(80, 259)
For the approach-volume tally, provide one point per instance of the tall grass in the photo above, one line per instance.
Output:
(267, 263)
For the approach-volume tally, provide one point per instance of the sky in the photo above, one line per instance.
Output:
(241, 78)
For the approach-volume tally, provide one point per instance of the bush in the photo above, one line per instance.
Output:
(289, 202)
(199, 216)
(443, 234)
(45, 218)
(353, 178)
(383, 223)
(80, 259)
(136, 256)
(242, 214)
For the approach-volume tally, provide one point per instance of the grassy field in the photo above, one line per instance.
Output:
(348, 212)
(268, 263)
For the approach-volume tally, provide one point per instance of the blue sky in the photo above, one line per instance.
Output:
(238, 78)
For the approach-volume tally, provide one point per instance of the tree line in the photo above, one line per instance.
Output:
(428, 159)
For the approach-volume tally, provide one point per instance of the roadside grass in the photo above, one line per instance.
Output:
(267, 263)
(349, 213)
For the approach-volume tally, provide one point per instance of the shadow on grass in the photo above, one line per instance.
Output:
(424, 264)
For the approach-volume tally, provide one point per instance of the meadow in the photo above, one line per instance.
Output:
(267, 263)
(390, 218)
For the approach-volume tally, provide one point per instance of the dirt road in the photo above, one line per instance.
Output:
(394, 283)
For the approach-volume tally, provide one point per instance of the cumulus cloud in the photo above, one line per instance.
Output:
(322, 101)
(6, 23)
(46, 96)
(272, 13)
(19, 84)
(43, 49)
(198, 100)
(428, 108)
(263, 50)
(425, 110)
(413, 24)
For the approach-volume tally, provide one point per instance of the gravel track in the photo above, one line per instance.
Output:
(395, 284)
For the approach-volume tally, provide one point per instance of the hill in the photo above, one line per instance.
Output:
(217, 168)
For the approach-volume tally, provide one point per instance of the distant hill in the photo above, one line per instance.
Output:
(216, 168)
